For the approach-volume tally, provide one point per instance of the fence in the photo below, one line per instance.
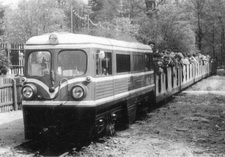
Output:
(15, 55)
(9, 98)
(176, 79)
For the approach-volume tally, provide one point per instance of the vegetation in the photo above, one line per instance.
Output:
(180, 25)
(3, 62)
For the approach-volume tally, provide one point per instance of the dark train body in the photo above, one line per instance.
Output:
(79, 86)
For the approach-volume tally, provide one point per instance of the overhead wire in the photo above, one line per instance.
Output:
(89, 20)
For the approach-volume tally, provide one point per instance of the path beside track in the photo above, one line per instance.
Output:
(11, 131)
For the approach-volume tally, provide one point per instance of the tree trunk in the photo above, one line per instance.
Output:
(199, 33)
(213, 40)
(222, 45)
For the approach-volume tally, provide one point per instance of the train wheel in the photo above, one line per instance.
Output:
(110, 129)
(110, 125)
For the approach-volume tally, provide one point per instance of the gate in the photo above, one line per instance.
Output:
(15, 55)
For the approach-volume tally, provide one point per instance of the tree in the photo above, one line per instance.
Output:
(215, 25)
(176, 31)
(33, 18)
(152, 6)
(179, 25)
(197, 8)
(168, 28)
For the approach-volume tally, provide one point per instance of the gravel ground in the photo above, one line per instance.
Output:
(11, 131)
(192, 124)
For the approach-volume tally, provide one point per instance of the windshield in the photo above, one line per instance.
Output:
(39, 63)
(71, 63)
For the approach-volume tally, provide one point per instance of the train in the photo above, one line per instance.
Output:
(76, 87)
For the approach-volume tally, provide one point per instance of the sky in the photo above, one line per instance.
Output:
(13, 3)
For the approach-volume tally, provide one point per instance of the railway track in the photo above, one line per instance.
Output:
(39, 148)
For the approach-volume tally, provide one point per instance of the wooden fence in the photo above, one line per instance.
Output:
(9, 93)
(10, 98)
(15, 55)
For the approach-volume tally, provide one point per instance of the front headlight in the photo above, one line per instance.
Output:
(29, 91)
(78, 92)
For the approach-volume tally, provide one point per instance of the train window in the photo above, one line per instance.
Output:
(122, 63)
(72, 63)
(39, 63)
(138, 62)
(104, 65)
(148, 62)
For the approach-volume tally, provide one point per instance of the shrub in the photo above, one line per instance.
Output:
(4, 64)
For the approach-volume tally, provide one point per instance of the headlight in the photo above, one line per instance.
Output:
(79, 92)
(53, 39)
(29, 91)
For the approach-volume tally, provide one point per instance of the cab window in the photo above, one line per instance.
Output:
(72, 63)
(39, 63)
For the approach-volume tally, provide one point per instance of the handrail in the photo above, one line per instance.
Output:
(175, 79)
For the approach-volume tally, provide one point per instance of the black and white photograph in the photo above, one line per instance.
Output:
(112, 78)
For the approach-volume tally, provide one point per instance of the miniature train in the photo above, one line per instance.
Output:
(79, 86)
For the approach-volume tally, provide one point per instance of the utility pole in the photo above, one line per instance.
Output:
(71, 16)
(88, 22)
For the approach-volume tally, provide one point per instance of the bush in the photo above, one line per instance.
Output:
(4, 64)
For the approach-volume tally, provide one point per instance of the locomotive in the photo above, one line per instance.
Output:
(81, 86)
(78, 86)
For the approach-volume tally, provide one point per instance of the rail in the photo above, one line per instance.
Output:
(176, 79)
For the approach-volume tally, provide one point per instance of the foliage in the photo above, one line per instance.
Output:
(176, 32)
(4, 64)
(33, 18)
(169, 29)
(148, 31)
(180, 25)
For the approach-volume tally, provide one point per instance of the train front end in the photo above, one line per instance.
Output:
(56, 90)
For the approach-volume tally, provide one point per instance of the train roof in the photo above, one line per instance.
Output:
(64, 38)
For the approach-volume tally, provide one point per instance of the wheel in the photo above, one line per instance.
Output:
(110, 125)
(110, 129)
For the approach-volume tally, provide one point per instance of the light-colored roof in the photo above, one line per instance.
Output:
(70, 38)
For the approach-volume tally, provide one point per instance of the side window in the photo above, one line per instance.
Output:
(122, 63)
(148, 62)
(139, 62)
(151, 61)
(104, 64)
